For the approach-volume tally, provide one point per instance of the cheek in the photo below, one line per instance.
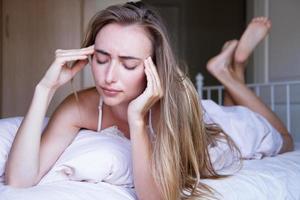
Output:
(96, 71)
(136, 82)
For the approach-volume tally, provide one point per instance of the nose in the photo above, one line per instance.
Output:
(111, 75)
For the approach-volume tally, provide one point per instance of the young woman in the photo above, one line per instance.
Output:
(141, 89)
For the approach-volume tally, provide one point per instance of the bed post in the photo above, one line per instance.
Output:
(199, 83)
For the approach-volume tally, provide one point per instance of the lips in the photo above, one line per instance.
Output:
(110, 91)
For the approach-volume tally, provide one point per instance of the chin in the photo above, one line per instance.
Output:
(113, 101)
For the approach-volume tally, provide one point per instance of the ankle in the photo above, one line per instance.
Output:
(230, 78)
(240, 60)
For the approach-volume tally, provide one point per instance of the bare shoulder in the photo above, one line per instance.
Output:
(79, 110)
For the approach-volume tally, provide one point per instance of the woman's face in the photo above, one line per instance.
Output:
(118, 62)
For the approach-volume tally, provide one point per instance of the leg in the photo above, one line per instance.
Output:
(228, 101)
(256, 31)
(242, 95)
(225, 59)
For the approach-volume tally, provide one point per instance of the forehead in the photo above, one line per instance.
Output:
(127, 40)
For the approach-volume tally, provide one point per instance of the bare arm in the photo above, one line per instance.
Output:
(24, 167)
(144, 182)
(27, 142)
(32, 154)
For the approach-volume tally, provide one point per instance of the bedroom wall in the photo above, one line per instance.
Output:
(1, 18)
(200, 28)
(33, 30)
(284, 45)
(284, 55)
(280, 50)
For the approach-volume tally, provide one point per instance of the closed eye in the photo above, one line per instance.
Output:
(102, 58)
(130, 67)
(101, 62)
(130, 64)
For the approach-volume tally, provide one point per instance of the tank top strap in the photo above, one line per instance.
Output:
(100, 111)
(150, 123)
(100, 114)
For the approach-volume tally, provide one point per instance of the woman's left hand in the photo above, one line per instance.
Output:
(139, 107)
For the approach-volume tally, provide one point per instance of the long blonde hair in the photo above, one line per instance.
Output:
(180, 152)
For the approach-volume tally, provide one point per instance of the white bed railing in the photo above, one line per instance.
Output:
(282, 97)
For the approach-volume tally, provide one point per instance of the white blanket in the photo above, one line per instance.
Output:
(80, 173)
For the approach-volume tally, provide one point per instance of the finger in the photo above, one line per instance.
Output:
(62, 52)
(75, 52)
(64, 60)
(150, 90)
(79, 65)
(154, 91)
(149, 78)
(82, 49)
(155, 76)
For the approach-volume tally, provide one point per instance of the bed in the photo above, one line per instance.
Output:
(269, 178)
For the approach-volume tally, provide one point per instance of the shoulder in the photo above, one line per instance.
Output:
(79, 107)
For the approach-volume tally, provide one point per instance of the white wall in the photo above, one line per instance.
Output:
(284, 43)
(278, 57)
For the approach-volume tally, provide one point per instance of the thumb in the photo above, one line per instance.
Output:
(78, 65)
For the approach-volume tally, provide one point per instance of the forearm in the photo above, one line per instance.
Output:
(145, 185)
(22, 166)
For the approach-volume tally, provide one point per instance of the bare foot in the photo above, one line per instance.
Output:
(220, 66)
(255, 32)
(226, 44)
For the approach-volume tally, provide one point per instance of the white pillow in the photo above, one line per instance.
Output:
(95, 157)
(92, 156)
(8, 130)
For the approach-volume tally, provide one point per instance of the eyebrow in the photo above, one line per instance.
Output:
(122, 57)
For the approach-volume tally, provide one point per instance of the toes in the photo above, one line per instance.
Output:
(262, 20)
(268, 23)
(227, 44)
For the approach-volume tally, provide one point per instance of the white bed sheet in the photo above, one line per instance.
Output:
(68, 190)
(270, 178)
(276, 178)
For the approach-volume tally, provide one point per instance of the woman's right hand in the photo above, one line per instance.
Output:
(59, 72)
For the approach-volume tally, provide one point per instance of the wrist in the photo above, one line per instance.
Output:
(42, 87)
(137, 124)
(41, 90)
